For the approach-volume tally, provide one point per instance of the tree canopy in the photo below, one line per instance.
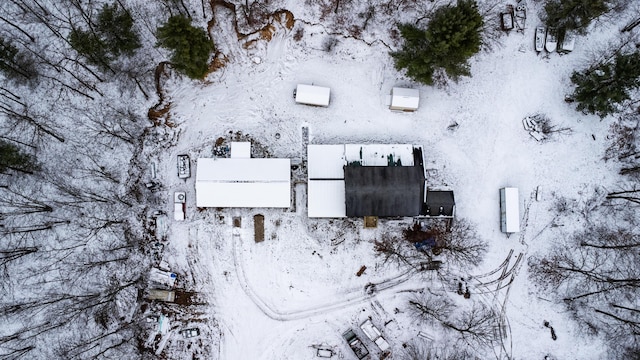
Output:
(14, 64)
(576, 14)
(12, 158)
(604, 86)
(451, 38)
(190, 46)
(112, 35)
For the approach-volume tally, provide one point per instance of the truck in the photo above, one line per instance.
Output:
(374, 335)
(184, 166)
(355, 344)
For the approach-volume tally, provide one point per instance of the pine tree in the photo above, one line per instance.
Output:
(90, 46)
(451, 38)
(576, 14)
(115, 26)
(12, 158)
(112, 35)
(604, 86)
(15, 65)
(191, 46)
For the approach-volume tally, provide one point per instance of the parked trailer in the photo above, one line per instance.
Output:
(312, 95)
(355, 344)
(509, 210)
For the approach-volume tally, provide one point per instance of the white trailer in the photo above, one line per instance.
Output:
(509, 210)
(312, 95)
(403, 99)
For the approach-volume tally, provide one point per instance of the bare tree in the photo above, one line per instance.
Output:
(472, 325)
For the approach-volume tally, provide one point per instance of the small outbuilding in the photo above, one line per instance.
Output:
(403, 99)
(509, 210)
(312, 95)
(440, 204)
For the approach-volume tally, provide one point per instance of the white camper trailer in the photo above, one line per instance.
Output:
(312, 95)
(403, 99)
(509, 210)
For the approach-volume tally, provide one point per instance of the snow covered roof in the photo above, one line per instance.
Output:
(312, 95)
(240, 149)
(509, 210)
(382, 181)
(326, 199)
(243, 182)
(404, 99)
(325, 161)
(380, 154)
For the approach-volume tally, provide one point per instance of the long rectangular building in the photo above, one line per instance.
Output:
(243, 183)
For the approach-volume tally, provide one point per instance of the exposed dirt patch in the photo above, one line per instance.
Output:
(159, 115)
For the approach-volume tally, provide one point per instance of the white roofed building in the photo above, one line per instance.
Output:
(312, 95)
(243, 182)
(364, 180)
(404, 99)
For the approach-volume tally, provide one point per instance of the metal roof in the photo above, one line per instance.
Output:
(440, 199)
(243, 182)
(384, 191)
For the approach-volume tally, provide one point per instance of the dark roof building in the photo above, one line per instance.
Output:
(440, 203)
(384, 191)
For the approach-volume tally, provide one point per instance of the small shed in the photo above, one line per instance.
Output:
(440, 204)
(509, 210)
(312, 95)
(403, 99)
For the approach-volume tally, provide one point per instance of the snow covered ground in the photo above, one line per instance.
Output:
(298, 288)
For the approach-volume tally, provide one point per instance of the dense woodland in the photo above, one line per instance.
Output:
(81, 98)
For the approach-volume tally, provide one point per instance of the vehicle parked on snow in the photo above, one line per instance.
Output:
(551, 40)
(179, 205)
(184, 166)
(189, 333)
(541, 33)
(374, 335)
(567, 42)
(355, 344)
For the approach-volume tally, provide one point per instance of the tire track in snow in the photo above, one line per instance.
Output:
(385, 286)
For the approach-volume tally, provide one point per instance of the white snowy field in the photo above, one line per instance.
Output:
(278, 298)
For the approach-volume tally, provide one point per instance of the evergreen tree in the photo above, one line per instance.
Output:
(601, 88)
(90, 46)
(576, 14)
(190, 46)
(115, 25)
(451, 38)
(112, 35)
(15, 65)
(12, 158)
